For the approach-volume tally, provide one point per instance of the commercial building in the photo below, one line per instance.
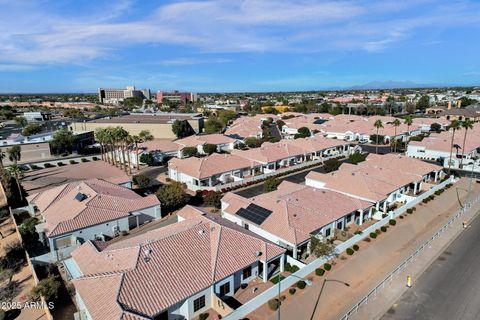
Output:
(159, 124)
(176, 96)
(114, 96)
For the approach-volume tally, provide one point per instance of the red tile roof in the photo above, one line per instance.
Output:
(104, 201)
(183, 259)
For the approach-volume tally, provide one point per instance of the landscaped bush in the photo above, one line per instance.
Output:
(373, 235)
(94, 158)
(72, 161)
(84, 160)
(319, 272)
(34, 167)
(409, 210)
(392, 222)
(425, 200)
(273, 304)
(48, 165)
(291, 268)
(367, 239)
(401, 217)
(168, 179)
(384, 215)
(383, 228)
(60, 164)
(275, 279)
(301, 284)
(203, 316)
(358, 232)
(356, 247)
(327, 266)
(378, 231)
(292, 291)
(350, 251)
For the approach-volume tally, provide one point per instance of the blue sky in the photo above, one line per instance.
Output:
(235, 45)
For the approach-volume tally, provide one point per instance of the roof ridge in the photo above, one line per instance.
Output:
(214, 267)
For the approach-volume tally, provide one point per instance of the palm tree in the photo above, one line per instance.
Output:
(454, 125)
(396, 124)
(121, 135)
(128, 143)
(143, 136)
(467, 124)
(16, 172)
(101, 138)
(14, 154)
(408, 122)
(378, 124)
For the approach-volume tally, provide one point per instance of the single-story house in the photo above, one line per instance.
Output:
(88, 210)
(223, 143)
(170, 273)
(292, 214)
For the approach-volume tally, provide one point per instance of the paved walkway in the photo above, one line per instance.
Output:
(373, 262)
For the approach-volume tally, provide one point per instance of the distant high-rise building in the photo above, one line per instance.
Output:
(115, 96)
(176, 96)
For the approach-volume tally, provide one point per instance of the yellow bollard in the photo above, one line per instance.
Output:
(409, 281)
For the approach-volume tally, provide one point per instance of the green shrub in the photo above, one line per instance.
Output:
(414, 209)
(401, 217)
(94, 158)
(356, 247)
(425, 200)
(378, 231)
(367, 239)
(327, 266)
(358, 232)
(350, 251)
(291, 268)
(34, 167)
(275, 279)
(84, 160)
(273, 304)
(292, 291)
(48, 165)
(383, 228)
(373, 235)
(392, 222)
(301, 284)
(319, 272)
(203, 316)
(72, 161)
(409, 210)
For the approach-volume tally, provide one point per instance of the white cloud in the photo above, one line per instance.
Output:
(193, 61)
(32, 34)
(16, 67)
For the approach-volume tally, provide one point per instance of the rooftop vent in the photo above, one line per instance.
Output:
(80, 197)
(147, 253)
(258, 253)
(201, 231)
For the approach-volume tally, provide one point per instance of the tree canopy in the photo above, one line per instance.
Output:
(63, 141)
(271, 184)
(172, 196)
(31, 129)
(182, 129)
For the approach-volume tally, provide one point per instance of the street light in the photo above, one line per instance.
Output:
(321, 290)
(307, 282)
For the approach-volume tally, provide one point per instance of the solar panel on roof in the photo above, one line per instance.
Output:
(80, 197)
(254, 213)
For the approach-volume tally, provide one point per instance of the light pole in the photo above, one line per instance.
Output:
(321, 290)
(308, 282)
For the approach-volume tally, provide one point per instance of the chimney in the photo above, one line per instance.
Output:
(449, 105)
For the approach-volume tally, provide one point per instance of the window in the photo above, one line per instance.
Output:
(198, 303)
(349, 218)
(327, 232)
(224, 289)
(247, 272)
(246, 226)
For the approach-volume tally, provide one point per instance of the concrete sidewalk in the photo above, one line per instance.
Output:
(366, 268)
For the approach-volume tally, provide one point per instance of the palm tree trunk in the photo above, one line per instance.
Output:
(451, 152)
(19, 188)
(122, 151)
(129, 162)
(395, 141)
(376, 146)
(112, 154)
(136, 155)
(463, 148)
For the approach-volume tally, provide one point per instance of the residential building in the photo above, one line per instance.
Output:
(292, 214)
(89, 210)
(174, 272)
(210, 171)
(223, 143)
(37, 116)
(176, 96)
(159, 124)
(438, 146)
(385, 180)
(294, 121)
(248, 126)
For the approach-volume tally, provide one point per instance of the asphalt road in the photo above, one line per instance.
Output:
(449, 288)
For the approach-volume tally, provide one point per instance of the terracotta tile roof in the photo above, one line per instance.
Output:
(401, 163)
(315, 143)
(196, 140)
(270, 152)
(163, 145)
(442, 141)
(248, 126)
(103, 201)
(297, 210)
(183, 259)
(207, 166)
